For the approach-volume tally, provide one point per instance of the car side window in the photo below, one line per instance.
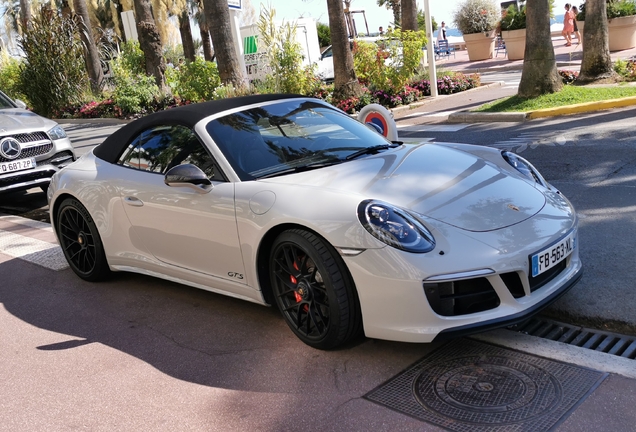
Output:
(160, 148)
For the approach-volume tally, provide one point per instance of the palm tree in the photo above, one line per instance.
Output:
(346, 83)
(217, 15)
(596, 63)
(409, 15)
(186, 35)
(539, 75)
(150, 42)
(25, 13)
(396, 7)
(196, 10)
(91, 54)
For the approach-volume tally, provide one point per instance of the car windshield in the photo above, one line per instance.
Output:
(5, 102)
(291, 136)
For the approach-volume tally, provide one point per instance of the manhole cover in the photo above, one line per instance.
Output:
(472, 386)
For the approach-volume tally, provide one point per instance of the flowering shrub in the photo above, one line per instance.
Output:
(626, 69)
(568, 77)
(476, 16)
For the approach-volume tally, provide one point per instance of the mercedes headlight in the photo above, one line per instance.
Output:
(395, 227)
(524, 167)
(57, 133)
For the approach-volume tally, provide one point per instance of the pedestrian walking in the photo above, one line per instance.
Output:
(575, 12)
(568, 25)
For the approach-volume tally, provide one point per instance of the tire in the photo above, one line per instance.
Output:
(313, 290)
(80, 241)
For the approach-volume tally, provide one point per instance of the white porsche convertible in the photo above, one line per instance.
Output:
(287, 201)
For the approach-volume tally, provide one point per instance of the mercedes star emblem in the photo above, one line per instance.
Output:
(10, 148)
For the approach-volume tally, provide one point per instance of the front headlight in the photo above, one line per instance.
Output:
(395, 227)
(57, 133)
(524, 167)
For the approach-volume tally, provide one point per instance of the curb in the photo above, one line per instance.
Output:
(483, 117)
(430, 100)
(105, 120)
(583, 107)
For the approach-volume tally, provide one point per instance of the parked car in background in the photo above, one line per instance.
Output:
(288, 201)
(32, 148)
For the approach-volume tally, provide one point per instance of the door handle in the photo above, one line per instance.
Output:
(133, 201)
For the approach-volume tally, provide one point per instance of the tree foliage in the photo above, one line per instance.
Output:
(53, 74)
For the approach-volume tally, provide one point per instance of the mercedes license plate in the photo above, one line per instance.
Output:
(17, 165)
(549, 257)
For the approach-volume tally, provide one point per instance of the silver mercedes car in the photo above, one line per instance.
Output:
(32, 148)
(287, 201)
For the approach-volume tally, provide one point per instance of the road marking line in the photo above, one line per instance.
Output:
(27, 222)
(45, 254)
(433, 128)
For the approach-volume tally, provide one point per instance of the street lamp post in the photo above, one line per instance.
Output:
(432, 72)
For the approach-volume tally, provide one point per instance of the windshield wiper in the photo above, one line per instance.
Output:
(300, 168)
(371, 150)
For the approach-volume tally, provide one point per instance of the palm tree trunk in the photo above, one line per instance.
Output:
(217, 15)
(186, 36)
(208, 52)
(346, 83)
(409, 15)
(596, 63)
(150, 42)
(91, 54)
(539, 75)
(25, 13)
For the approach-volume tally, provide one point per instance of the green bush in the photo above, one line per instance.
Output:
(134, 93)
(194, 81)
(614, 8)
(513, 18)
(131, 58)
(324, 34)
(620, 8)
(53, 74)
(284, 71)
(390, 63)
(10, 76)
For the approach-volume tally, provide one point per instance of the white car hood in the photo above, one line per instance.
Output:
(440, 182)
(18, 119)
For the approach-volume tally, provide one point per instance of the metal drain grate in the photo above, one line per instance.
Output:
(469, 386)
(597, 340)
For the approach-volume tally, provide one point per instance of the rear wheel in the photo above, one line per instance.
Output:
(313, 290)
(80, 241)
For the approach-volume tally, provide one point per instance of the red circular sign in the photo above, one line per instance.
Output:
(378, 119)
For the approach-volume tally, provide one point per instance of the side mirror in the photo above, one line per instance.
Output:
(188, 175)
(20, 104)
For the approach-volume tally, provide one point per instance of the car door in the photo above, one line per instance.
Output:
(180, 226)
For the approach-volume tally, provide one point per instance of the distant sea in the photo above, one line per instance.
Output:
(457, 33)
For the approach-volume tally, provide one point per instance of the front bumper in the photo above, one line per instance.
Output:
(47, 165)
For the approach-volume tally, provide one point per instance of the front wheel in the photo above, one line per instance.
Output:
(313, 290)
(80, 241)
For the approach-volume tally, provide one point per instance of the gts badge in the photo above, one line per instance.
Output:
(235, 275)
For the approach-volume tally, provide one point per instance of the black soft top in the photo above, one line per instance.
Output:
(188, 115)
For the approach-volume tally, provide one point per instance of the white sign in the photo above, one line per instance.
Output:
(234, 4)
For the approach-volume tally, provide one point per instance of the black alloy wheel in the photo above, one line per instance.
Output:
(80, 241)
(313, 290)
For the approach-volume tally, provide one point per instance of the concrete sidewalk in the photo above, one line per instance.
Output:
(568, 58)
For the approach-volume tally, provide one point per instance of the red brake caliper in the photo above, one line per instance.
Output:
(294, 281)
(297, 296)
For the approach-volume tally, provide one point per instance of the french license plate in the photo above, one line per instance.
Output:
(17, 165)
(549, 257)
